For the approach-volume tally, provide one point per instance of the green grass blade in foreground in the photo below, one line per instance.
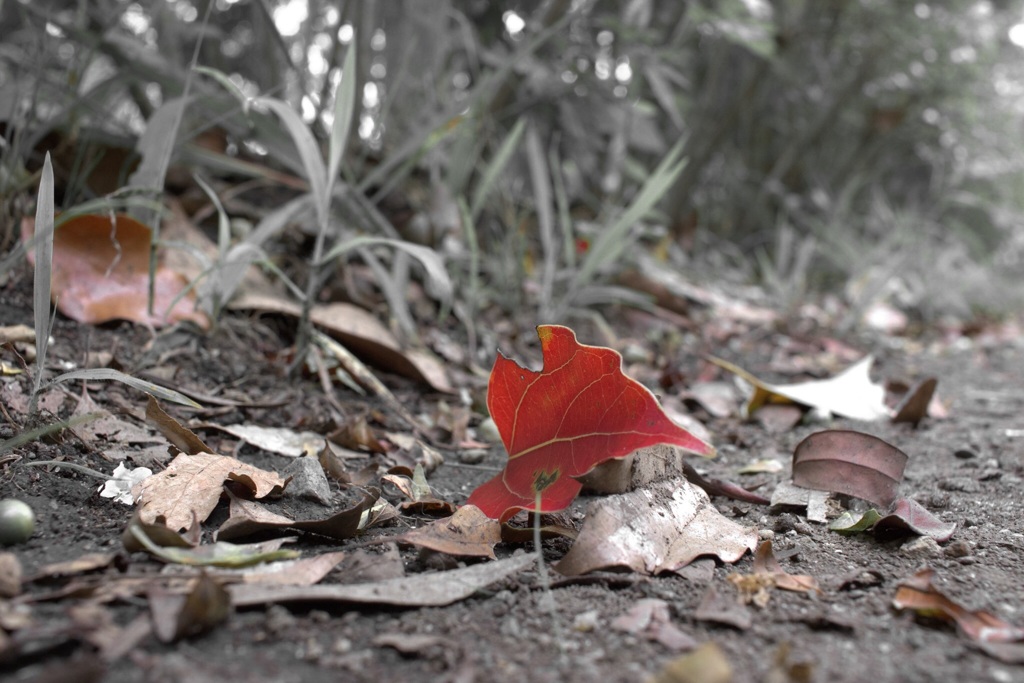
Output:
(44, 270)
(437, 275)
(107, 374)
(344, 112)
(612, 241)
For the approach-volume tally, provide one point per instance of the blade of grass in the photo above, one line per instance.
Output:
(541, 182)
(496, 168)
(344, 112)
(612, 241)
(108, 374)
(44, 270)
(437, 275)
(309, 152)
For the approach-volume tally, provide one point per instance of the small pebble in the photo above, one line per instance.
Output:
(957, 549)
(923, 546)
(472, 456)
(765, 534)
(585, 622)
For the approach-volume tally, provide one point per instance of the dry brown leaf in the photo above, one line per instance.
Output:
(854, 463)
(89, 562)
(248, 517)
(650, 619)
(361, 332)
(469, 532)
(305, 572)
(192, 484)
(183, 438)
(658, 529)
(203, 606)
(10, 575)
(706, 664)
(434, 589)
(101, 273)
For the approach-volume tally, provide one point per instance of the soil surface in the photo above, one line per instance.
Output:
(966, 469)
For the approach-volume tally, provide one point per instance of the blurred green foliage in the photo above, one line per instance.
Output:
(823, 142)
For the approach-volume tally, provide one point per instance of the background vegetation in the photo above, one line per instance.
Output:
(866, 149)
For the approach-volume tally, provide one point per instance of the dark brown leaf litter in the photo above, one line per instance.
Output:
(98, 622)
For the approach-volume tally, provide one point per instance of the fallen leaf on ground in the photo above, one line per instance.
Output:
(765, 563)
(10, 576)
(202, 607)
(410, 643)
(914, 405)
(850, 394)
(767, 574)
(650, 619)
(101, 273)
(468, 532)
(994, 636)
(761, 466)
(248, 517)
(160, 534)
(275, 439)
(904, 516)
(658, 529)
(421, 498)
(434, 589)
(580, 410)
(361, 332)
(815, 503)
(302, 572)
(720, 487)
(706, 664)
(854, 463)
(723, 609)
(219, 554)
(192, 484)
(89, 562)
(184, 439)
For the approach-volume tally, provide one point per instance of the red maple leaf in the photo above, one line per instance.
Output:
(577, 412)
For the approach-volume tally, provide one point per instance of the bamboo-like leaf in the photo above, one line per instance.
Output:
(108, 374)
(308, 150)
(541, 181)
(612, 240)
(344, 112)
(496, 168)
(44, 267)
(437, 275)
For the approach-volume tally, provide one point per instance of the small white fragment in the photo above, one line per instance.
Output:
(119, 487)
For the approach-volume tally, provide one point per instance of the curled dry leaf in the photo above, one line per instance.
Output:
(854, 463)
(658, 529)
(183, 438)
(994, 636)
(467, 533)
(205, 604)
(765, 563)
(421, 498)
(192, 484)
(914, 406)
(101, 273)
(905, 516)
(850, 394)
(556, 424)
(219, 554)
(249, 517)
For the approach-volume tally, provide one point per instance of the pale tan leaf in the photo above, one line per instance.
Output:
(192, 485)
(661, 528)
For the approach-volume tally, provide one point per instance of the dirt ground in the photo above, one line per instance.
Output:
(966, 469)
